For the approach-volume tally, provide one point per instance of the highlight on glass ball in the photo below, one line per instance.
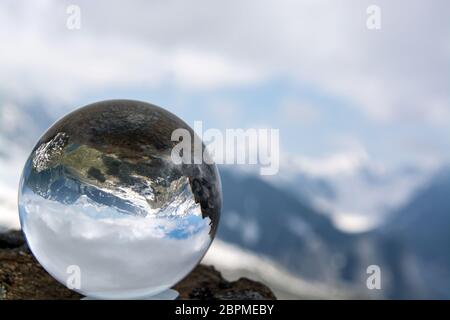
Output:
(101, 194)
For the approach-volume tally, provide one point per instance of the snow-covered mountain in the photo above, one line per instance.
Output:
(234, 262)
(354, 191)
(422, 228)
(273, 223)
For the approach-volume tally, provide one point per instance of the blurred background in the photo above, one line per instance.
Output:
(363, 114)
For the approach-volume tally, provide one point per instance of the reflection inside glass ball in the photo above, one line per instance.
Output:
(101, 193)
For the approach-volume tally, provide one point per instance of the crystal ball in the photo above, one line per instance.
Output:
(106, 210)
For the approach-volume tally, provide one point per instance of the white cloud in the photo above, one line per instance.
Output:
(120, 256)
(44, 59)
(345, 162)
(197, 70)
(398, 72)
(12, 159)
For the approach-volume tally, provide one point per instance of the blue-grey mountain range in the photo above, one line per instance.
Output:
(411, 246)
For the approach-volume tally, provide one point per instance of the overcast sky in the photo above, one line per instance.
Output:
(334, 88)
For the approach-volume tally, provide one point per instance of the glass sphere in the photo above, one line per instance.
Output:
(101, 199)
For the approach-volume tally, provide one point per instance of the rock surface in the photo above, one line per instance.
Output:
(21, 277)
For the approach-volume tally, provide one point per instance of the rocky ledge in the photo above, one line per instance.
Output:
(22, 277)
